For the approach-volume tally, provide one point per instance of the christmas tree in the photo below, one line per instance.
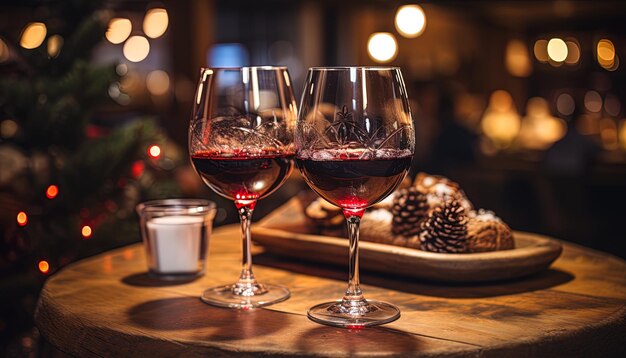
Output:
(69, 176)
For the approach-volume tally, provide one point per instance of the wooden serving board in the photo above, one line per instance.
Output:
(286, 232)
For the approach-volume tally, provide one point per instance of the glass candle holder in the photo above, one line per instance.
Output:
(175, 235)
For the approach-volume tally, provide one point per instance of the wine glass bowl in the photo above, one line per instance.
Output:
(354, 146)
(241, 144)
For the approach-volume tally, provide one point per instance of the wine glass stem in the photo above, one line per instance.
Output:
(246, 279)
(353, 293)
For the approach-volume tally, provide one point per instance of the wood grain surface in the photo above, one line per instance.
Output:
(107, 306)
(286, 232)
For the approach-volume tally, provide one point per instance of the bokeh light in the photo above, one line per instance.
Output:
(154, 151)
(609, 134)
(517, 59)
(382, 47)
(43, 266)
(605, 51)
(158, 82)
(606, 55)
(55, 43)
(565, 104)
(86, 231)
(501, 122)
(541, 51)
(501, 101)
(118, 31)
(8, 128)
(22, 218)
(612, 105)
(410, 21)
(155, 22)
(33, 35)
(573, 53)
(52, 191)
(615, 64)
(539, 129)
(121, 69)
(593, 101)
(136, 48)
(557, 50)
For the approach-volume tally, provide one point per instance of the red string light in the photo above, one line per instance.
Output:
(52, 191)
(22, 218)
(44, 266)
(137, 169)
(86, 231)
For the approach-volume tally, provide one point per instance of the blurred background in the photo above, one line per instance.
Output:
(521, 102)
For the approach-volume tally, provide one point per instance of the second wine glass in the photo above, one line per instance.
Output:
(354, 146)
(241, 145)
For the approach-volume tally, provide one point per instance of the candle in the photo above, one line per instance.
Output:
(176, 243)
(175, 235)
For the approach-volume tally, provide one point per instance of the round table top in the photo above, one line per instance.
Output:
(107, 306)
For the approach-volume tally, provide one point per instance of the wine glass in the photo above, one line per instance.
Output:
(354, 146)
(241, 145)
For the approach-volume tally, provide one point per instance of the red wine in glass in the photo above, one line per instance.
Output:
(241, 137)
(351, 182)
(354, 144)
(241, 177)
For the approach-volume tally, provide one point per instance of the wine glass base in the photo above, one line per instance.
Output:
(338, 314)
(226, 296)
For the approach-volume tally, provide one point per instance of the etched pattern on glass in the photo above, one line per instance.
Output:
(345, 133)
(247, 133)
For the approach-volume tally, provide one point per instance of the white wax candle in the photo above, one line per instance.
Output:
(175, 243)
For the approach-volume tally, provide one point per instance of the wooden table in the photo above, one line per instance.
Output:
(107, 306)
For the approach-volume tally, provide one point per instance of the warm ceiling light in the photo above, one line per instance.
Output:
(33, 35)
(136, 48)
(410, 21)
(158, 82)
(155, 23)
(119, 30)
(54, 45)
(382, 47)
(557, 50)
(605, 51)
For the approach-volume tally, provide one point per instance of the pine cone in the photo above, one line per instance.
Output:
(445, 230)
(438, 189)
(425, 182)
(487, 232)
(409, 209)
